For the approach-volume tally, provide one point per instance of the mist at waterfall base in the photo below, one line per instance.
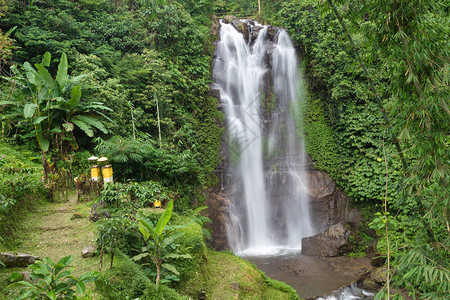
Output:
(269, 210)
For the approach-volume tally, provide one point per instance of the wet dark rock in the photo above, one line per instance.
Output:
(272, 33)
(214, 92)
(332, 242)
(20, 260)
(218, 213)
(354, 218)
(242, 27)
(328, 202)
(375, 279)
(228, 19)
(215, 28)
(379, 275)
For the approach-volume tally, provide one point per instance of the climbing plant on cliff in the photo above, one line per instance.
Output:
(411, 39)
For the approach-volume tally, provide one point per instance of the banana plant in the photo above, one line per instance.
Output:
(51, 107)
(158, 239)
(46, 105)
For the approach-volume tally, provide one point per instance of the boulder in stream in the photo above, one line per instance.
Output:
(332, 242)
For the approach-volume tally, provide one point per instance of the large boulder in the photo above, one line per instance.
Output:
(332, 242)
(329, 204)
(19, 260)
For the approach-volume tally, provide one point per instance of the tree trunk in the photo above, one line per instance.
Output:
(158, 272)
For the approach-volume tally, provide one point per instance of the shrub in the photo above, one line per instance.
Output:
(53, 280)
(125, 281)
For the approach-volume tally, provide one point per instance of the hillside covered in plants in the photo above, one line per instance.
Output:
(130, 80)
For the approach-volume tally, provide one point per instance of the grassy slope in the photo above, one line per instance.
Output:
(226, 276)
(50, 231)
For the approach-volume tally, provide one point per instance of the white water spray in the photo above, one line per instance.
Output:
(269, 210)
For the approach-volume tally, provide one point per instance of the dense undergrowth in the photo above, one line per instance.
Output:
(152, 65)
(21, 188)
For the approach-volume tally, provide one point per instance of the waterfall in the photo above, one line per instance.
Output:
(259, 90)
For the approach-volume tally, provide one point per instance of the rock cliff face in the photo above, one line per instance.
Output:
(328, 203)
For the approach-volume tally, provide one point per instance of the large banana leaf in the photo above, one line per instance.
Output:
(76, 96)
(93, 122)
(43, 142)
(62, 77)
(84, 126)
(146, 229)
(30, 72)
(29, 109)
(45, 76)
(47, 59)
(164, 219)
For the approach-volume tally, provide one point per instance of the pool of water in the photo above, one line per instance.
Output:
(314, 277)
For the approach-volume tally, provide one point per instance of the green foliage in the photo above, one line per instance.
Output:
(239, 8)
(126, 279)
(132, 196)
(20, 187)
(163, 293)
(320, 140)
(142, 159)
(290, 293)
(111, 234)
(196, 216)
(344, 128)
(44, 105)
(426, 268)
(159, 240)
(128, 60)
(53, 280)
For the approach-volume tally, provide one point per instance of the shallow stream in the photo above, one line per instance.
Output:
(316, 278)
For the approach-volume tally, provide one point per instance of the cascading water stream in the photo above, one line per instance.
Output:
(269, 210)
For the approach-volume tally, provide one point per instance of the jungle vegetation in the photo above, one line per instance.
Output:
(128, 79)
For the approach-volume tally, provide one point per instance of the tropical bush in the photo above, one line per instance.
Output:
(53, 281)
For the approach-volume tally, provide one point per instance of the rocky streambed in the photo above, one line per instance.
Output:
(314, 277)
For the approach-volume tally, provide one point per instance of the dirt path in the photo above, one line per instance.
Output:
(56, 230)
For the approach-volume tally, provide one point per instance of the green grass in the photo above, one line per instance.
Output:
(226, 276)
(51, 231)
